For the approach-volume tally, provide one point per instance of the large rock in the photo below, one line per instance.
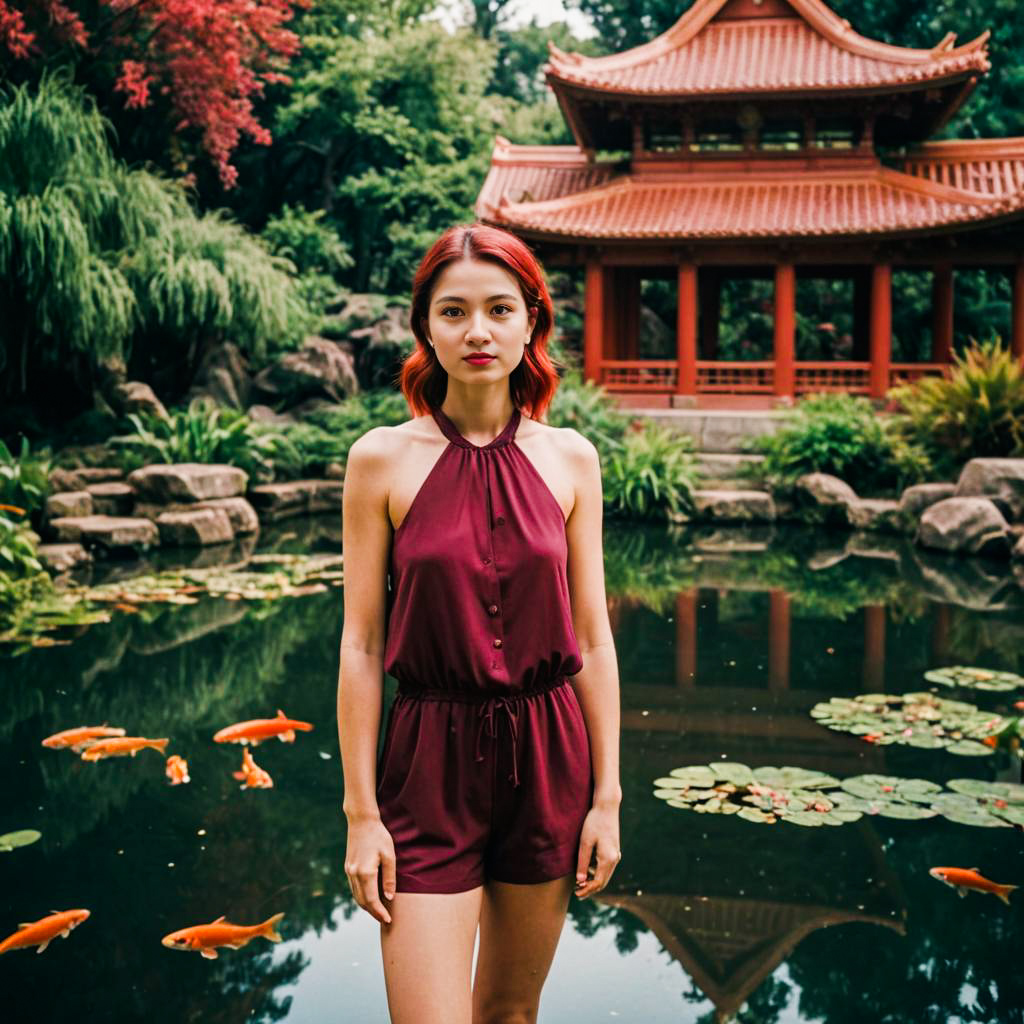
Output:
(296, 498)
(62, 557)
(1000, 480)
(188, 481)
(68, 504)
(970, 526)
(195, 528)
(914, 500)
(114, 498)
(319, 368)
(734, 506)
(135, 396)
(241, 514)
(105, 532)
(879, 514)
(827, 497)
(80, 478)
(223, 376)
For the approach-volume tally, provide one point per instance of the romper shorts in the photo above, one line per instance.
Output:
(477, 784)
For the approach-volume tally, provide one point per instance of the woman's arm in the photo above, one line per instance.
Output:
(597, 683)
(366, 539)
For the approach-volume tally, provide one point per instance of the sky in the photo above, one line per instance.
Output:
(519, 12)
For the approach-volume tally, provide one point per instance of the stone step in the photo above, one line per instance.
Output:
(723, 470)
(720, 431)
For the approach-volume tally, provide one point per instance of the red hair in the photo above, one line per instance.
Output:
(532, 384)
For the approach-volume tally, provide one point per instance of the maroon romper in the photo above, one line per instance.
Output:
(485, 769)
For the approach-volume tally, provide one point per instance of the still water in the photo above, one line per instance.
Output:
(725, 642)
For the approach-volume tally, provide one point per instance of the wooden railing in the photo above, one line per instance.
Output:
(739, 378)
(907, 373)
(655, 375)
(660, 376)
(829, 375)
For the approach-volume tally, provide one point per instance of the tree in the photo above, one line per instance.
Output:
(200, 63)
(99, 262)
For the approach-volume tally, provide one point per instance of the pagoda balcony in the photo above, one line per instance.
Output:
(754, 377)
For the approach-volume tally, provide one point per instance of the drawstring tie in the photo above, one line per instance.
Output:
(486, 715)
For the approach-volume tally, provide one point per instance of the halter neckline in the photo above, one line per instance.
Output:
(450, 431)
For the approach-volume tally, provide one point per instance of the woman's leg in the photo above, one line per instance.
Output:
(428, 956)
(519, 929)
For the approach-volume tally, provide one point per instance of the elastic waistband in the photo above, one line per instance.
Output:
(480, 696)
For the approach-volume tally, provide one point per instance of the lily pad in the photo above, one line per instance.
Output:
(1010, 791)
(969, 748)
(968, 678)
(23, 837)
(732, 771)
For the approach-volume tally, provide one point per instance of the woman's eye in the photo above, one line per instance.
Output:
(450, 309)
(503, 306)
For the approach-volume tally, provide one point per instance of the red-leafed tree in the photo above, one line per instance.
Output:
(207, 59)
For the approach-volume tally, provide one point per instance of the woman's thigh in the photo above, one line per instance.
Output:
(428, 956)
(520, 926)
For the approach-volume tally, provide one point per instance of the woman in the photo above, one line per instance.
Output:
(497, 786)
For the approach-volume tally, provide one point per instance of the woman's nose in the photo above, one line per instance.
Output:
(476, 327)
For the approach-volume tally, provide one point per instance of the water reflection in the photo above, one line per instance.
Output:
(725, 641)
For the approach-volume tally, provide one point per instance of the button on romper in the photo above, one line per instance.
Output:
(485, 769)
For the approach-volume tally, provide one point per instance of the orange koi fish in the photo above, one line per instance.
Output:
(252, 775)
(177, 770)
(39, 933)
(121, 746)
(963, 879)
(257, 730)
(78, 739)
(204, 938)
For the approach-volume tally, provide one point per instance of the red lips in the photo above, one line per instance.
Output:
(481, 359)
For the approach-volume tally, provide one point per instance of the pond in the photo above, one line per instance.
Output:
(726, 641)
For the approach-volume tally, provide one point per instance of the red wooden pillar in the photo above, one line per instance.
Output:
(942, 314)
(593, 321)
(785, 329)
(873, 672)
(1017, 330)
(686, 331)
(778, 641)
(881, 329)
(686, 639)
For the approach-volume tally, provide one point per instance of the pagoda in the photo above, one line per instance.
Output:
(763, 138)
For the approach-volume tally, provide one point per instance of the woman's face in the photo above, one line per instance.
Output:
(477, 309)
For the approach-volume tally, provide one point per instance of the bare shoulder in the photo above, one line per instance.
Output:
(576, 450)
(379, 445)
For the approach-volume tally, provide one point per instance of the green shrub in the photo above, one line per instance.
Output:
(842, 435)
(204, 432)
(978, 410)
(23, 478)
(651, 476)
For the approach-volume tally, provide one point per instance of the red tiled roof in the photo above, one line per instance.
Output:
(734, 204)
(535, 173)
(810, 50)
(990, 167)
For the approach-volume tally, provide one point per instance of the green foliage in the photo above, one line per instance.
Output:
(204, 432)
(22, 576)
(390, 134)
(23, 478)
(842, 435)
(651, 476)
(94, 255)
(978, 410)
(648, 473)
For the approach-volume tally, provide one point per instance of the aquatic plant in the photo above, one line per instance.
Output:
(801, 796)
(915, 719)
(23, 837)
(23, 478)
(975, 678)
(295, 576)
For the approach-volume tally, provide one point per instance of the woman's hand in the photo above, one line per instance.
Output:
(369, 848)
(600, 832)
